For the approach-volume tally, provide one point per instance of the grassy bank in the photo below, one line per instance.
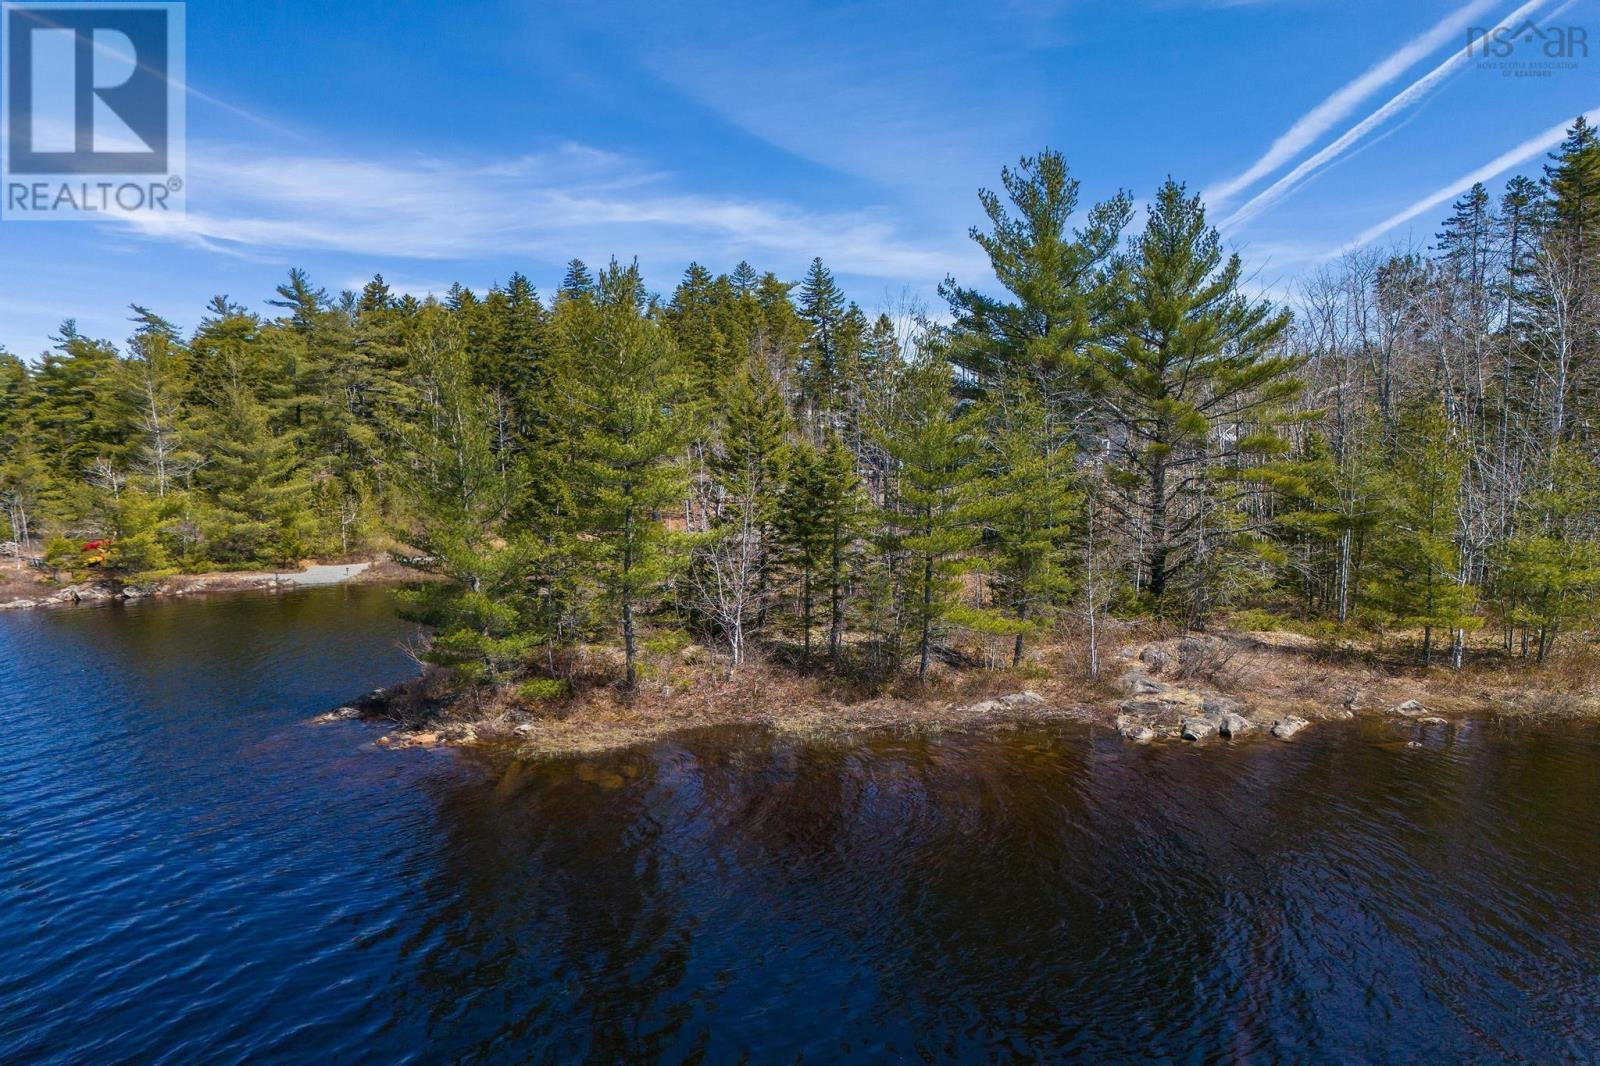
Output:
(1161, 681)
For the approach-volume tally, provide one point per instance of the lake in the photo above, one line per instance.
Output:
(191, 871)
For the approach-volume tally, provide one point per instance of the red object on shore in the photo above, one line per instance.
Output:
(95, 545)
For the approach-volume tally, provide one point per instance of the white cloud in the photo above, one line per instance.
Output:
(572, 201)
(1523, 152)
(1407, 98)
(1314, 123)
(874, 91)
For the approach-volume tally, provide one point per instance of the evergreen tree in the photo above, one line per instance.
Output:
(819, 515)
(484, 619)
(156, 379)
(1031, 509)
(1418, 576)
(1465, 241)
(1550, 570)
(255, 484)
(750, 464)
(822, 307)
(78, 410)
(620, 400)
(1194, 378)
(744, 279)
(933, 448)
(1062, 281)
(577, 282)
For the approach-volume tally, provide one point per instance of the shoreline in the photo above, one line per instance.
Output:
(27, 595)
(1269, 688)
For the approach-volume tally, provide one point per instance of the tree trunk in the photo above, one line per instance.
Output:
(1158, 530)
(628, 650)
(927, 618)
(805, 616)
(629, 645)
(836, 598)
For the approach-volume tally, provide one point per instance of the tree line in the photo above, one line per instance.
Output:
(1118, 426)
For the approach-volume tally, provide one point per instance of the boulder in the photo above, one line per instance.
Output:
(1155, 657)
(1409, 709)
(1219, 707)
(1192, 650)
(1139, 685)
(1022, 699)
(1198, 728)
(1284, 728)
(1135, 730)
(1234, 725)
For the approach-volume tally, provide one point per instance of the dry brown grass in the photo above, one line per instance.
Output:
(691, 687)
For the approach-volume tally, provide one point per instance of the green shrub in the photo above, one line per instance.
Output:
(1256, 620)
(541, 690)
(667, 642)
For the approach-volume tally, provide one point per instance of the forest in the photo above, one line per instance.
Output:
(1115, 425)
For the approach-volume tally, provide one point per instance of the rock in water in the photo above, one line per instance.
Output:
(1284, 728)
(1197, 728)
(1233, 725)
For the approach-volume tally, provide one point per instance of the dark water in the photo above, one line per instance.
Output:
(190, 872)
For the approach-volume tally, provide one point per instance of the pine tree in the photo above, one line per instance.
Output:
(819, 517)
(822, 307)
(692, 315)
(461, 494)
(803, 533)
(1550, 570)
(1573, 180)
(1418, 576)
(1032, 507)
(840, 510)
(933, 448)
(620, 400)
(1193, 379)
(257, 488)
(156, 379)
(751, 464)
(78, 408)
(744, 279)
(577, 282)
(1465, 241)
(1062, 281)
(1572, 255)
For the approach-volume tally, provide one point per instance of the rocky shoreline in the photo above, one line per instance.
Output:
(22, 596)
(1169, 691)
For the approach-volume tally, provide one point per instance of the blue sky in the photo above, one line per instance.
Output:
(462, 141)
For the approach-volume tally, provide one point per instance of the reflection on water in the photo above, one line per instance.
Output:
(187, 868)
